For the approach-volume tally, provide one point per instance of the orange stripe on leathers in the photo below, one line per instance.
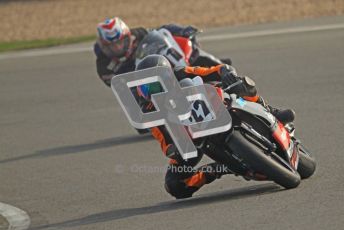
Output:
(202, 71)
(157, 134)
(197, 180)
(173, 162)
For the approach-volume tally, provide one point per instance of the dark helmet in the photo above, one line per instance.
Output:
(150, 61)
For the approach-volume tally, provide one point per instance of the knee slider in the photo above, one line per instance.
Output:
(178, 189)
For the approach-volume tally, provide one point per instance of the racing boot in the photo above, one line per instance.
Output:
(182, 188)
(283, 115)
(214, 171)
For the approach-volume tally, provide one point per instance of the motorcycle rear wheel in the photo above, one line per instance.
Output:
(254, 156)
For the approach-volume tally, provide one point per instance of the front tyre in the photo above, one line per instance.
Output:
(262, 163)
(307, 164)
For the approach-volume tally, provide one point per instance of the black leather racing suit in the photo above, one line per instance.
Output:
(182, 179)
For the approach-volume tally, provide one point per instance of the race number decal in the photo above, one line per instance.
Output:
(172, 107)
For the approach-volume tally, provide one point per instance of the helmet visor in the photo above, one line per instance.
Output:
(120, 47)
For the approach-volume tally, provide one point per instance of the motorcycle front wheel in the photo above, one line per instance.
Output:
(272, 166)
(307, 164)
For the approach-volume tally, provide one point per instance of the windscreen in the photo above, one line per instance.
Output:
(153, 43)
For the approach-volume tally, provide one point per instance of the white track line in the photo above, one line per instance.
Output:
(17, 218)
(44, 52)
(227, 35)
(271, 32)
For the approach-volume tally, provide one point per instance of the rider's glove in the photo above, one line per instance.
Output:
(180, 73)
(107, 79)
(228, 75)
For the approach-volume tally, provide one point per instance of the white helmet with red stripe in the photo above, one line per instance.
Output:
(115, 37)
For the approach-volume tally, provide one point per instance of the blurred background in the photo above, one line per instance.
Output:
(43, 19)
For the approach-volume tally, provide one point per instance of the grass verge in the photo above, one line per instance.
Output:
(20, 45)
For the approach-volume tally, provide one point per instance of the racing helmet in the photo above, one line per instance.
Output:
(115, 36)
(150, 61)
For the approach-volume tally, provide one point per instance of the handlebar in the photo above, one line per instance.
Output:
(233, 85)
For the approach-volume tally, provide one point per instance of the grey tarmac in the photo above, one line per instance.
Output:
(70, 159)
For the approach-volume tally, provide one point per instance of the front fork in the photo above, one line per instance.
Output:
(270, 147)
(248, 130)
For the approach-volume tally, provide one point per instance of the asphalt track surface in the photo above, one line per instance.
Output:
(70, 159)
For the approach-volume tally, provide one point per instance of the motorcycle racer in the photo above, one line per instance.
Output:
(180, 181)
(116, 44)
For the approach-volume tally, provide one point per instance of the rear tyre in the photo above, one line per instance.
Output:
(307, 164)
(262, 163)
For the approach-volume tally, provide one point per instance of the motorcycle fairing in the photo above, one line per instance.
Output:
(282, 137)
(279, 133)
(161, 42)
(252, 108)
(186, 45)
(294, 160)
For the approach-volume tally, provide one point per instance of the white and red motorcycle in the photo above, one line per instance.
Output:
(180, 51)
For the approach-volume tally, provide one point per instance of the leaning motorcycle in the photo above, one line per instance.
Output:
(257, 143)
